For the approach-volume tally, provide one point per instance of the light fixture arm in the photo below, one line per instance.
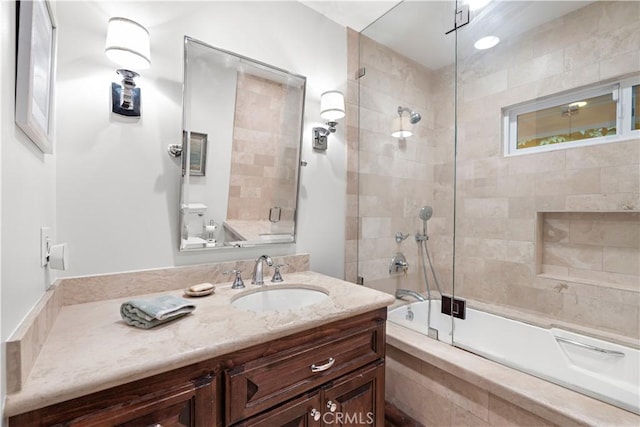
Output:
(320, 135)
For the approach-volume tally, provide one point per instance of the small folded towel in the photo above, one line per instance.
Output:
(146, 313)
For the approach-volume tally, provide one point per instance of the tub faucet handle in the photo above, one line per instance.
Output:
(398, 262)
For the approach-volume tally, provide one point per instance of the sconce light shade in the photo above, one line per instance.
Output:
(128, 44)
(331, 109)
(332, 105)
(401, 127)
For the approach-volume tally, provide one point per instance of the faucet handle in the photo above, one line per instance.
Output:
(237, 282)
(277, 277)
(398, 262)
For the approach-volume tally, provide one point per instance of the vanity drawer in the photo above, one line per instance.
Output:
(265, 382)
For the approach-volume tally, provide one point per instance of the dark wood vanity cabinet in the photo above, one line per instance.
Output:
(355, 399)
(161, 401)
(329, 375)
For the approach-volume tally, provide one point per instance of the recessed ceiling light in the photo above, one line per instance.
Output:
(486, 42)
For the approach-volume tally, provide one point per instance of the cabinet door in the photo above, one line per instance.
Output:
(356, 399)
(189, 404)
(178, 415)
(256, 386)
(302, 412)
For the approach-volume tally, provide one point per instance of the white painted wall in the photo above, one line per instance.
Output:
(110, 190)
(118, 190)
(27, 198)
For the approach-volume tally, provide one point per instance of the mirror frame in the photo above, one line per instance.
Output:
(185, 149)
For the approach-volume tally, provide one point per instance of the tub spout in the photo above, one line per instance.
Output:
(401, 293)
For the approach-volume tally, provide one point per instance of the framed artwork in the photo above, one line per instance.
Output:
(197, 153)
(35, 74)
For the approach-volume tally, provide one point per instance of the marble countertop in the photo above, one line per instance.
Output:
(90, 348)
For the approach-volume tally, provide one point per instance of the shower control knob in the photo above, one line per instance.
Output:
(331, 406)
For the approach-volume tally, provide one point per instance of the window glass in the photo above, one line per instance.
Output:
(635, 108)
(589, 118)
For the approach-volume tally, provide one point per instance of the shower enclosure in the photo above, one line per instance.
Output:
(527, 152)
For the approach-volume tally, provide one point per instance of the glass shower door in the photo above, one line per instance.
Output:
(403, 167)
(547, 249)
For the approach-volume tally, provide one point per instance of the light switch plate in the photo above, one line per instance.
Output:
(45, 238)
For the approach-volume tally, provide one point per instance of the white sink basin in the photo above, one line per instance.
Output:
(279, 298)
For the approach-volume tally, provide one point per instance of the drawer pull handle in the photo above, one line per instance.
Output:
(320, 368)
(315, 414)
(331, 406)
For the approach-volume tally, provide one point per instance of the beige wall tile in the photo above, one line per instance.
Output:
(499, 199)
(621, 260)
(620, 179)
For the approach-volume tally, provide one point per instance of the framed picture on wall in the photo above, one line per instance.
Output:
(35, 72)
(197, 153)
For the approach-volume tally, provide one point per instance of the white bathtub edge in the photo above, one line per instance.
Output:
(551, 402)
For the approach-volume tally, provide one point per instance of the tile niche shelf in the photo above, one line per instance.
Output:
(600, 248)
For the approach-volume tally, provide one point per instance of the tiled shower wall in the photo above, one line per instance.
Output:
(591, 247)
(255, 165)
(500, 254)
(389, 180)
(500, 199)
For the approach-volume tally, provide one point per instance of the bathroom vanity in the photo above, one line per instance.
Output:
(219, 366)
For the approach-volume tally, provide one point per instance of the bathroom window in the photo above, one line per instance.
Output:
(583, 117)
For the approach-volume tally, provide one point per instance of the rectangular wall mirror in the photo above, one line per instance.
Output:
(242, 129)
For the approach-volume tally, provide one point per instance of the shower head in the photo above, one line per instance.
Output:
(413, 116)
(426, 213)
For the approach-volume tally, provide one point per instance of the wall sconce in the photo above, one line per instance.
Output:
(331, 109)
(402, 126)
(127, 45)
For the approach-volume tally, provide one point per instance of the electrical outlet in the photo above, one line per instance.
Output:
(45, 241)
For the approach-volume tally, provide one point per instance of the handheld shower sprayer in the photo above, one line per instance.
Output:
(426, 212)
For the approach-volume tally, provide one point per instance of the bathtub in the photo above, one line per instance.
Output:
(597, 368)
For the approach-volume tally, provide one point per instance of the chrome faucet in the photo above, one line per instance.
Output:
(257, 278)
(400, 293)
